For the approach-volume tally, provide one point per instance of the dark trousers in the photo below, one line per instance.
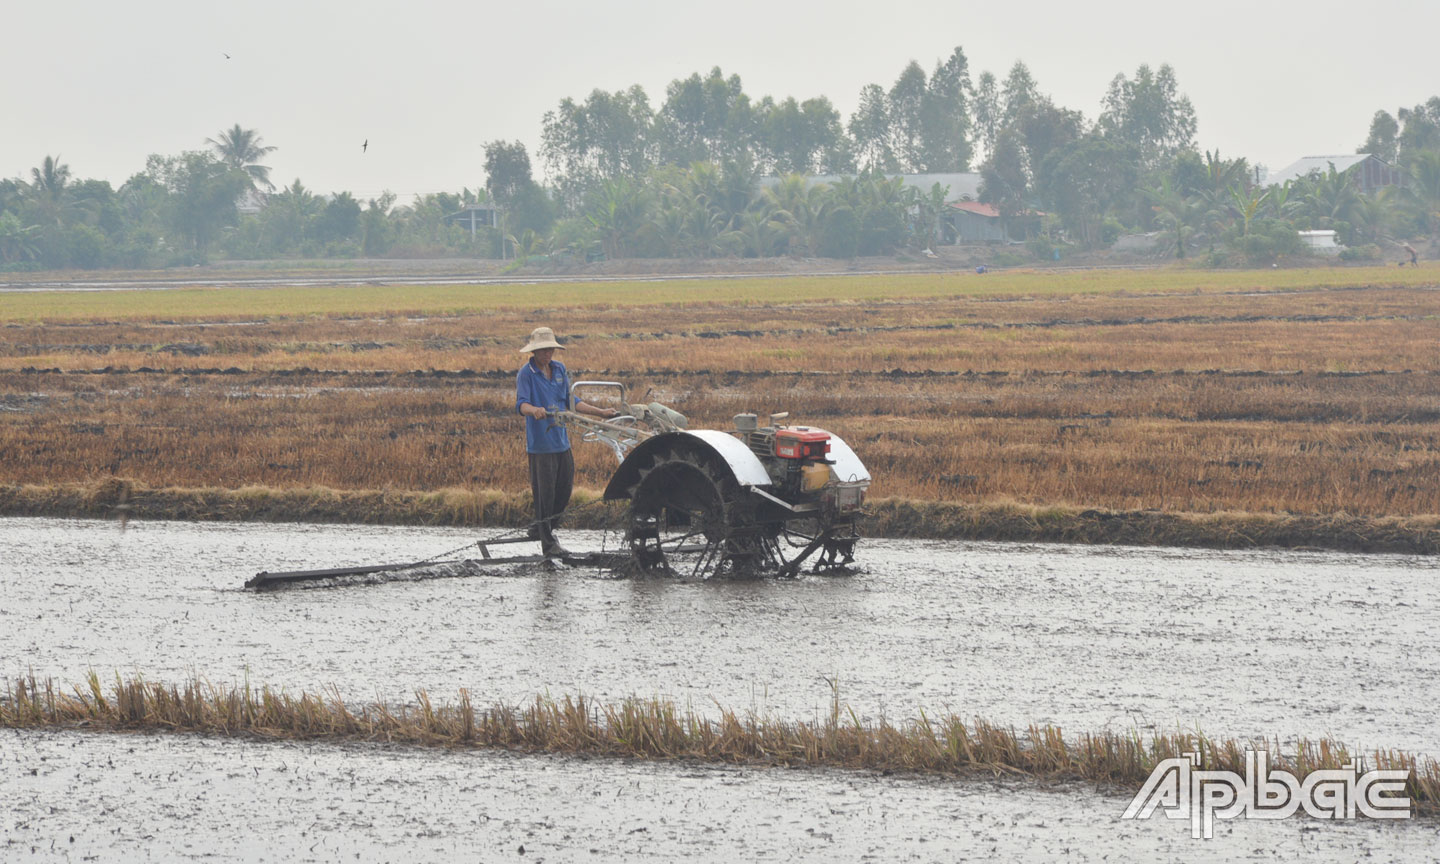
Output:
(552, 477)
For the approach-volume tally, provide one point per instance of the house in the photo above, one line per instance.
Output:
(1370, 172)
(976, 223)
(475, 216)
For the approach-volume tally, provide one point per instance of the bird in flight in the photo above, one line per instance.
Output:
(227, 56)
(365, 146)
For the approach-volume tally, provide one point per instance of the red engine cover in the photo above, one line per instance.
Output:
(801, 442)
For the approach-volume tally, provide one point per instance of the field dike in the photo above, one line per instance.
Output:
(887, 517)
(659, 729)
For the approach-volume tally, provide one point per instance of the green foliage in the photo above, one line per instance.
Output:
(1177, 213)
(1149, 113)
(1004, 180)
(841, 233)
(88, 247)
(1328, 200)
(1111, 230)
(1085, 182)
(241, 149)
(607, 136)
(1420, 130)
(945, 127)
(1041, 248)
(704, 120)
(201, 200)
(507, 171)
(921, 125)
(340, 220)
(1383, 138)
(1368, 252)
(17, 241)
(684, 181)
(1268, 241)
(801, 137)
(376, 232)
(870, 131)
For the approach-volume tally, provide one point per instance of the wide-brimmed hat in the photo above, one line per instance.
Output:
(541, 337)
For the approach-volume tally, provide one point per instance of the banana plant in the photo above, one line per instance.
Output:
(1247, 204)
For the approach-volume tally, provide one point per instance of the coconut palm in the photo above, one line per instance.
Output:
(617, 210)
(763, 231)
(16, 239)
(801, 206)
(1329, 199)
(50, 178)
(666, 228)
(47, 189)
(1175, 212)
(241, 148)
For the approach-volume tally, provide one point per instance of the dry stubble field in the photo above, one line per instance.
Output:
(1302, 396)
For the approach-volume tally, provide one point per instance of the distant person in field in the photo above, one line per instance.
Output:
(1414, 258)
(542, 388)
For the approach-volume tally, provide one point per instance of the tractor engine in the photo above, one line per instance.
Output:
(798, 460)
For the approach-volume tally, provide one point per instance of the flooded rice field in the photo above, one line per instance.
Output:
(1235, 644)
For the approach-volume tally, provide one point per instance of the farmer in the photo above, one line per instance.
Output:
(541, 388)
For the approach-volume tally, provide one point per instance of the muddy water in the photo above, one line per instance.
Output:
(1236, 644)
(181, 798)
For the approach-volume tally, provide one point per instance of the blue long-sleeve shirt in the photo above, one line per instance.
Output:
(552, 394)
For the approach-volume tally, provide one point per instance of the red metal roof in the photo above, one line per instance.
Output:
(977, 208)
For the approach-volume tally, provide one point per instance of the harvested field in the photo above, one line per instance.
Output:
(1277, 394)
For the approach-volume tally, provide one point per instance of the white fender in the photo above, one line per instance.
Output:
(847, 468)
(746, 466)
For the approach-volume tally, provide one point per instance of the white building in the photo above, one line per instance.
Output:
(1322, 241)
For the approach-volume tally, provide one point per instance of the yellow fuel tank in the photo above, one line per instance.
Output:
(814, 477)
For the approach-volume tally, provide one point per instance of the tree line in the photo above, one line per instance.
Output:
(714, 172)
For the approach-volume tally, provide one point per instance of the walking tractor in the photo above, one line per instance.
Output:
(704, 502)
(699, 502)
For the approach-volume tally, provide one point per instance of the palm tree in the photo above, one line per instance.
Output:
(241, 149)
(1329, 200)
(667, 222)
(801, 207)
(50, 178)
(47, 188)
(762, 231)
(15, 239)
(709, 226)
(617, 211)
(1176, 212)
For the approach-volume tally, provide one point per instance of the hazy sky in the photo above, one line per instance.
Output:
(104, 84)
